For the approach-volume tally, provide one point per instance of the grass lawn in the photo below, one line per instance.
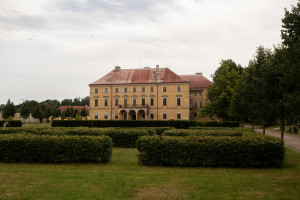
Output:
(36, 125)
(124, 178)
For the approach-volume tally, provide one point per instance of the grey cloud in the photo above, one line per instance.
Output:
(24, 22)
(110, 5)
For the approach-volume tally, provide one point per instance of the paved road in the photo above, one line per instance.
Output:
(290, 141)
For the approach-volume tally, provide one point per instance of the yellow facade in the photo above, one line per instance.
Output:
(198, 99)
(168, 101)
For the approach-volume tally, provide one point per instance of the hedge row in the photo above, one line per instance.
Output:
(189, 132)
(222, 128)
(125, 137)
(261, 151)
(54, 149)
(141, 123)
(14, 123)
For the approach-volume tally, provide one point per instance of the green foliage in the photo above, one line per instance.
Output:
(83, 112)
(142, 123)
(38, 113)
(10, 118)
(25, 110)
(78, 117)
(220, 93)
(54, 149)
(78, 101)
(291, 23)
(9, 110)
(121, 137)
(255, 151)
(195, 132)
(12, 123)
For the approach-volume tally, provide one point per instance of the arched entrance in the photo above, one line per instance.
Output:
(132, 115)
(141, 115)
(123, 114)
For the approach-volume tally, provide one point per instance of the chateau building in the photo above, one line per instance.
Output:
(149, 93)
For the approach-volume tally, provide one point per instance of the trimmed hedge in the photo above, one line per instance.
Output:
(222, 128)
(14, 123)
(190, 132)
(54, 149)
(141, 123)
(259, 151)
(125, 137)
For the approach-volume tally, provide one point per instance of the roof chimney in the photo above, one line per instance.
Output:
(117, 69)
(199, 73)
(157, 68)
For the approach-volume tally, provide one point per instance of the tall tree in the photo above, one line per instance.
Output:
(220, 93)
(9, 110)
(25, 110)
(287, 59)
(83, 112)
(260, 65)
(38, 113)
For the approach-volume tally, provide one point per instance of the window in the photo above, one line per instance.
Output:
(96, 115)
(164, 101)
(143, 102)
(105, 116)
(143, 89)
(125, 102)
(165, 89)
(134, 89)
(195, 104)
(201, 92)
(116, 116)
(195, 94)
(116, 90)
(178, 116)
(178, 101)
(116, 102)
(96, 90)
(195, 114)
(152, 102)
(200, 104)
(178, 88)
(165, 116)
(106, 90)
(151, 116)
(96, 102)
(105, 102)
(125, 90)
(151, 89)
(134, 102)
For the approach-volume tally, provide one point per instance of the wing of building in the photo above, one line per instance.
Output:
(149, 93)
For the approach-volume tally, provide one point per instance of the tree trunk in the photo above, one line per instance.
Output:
(282, 127)
(252, 124)
(264, 126)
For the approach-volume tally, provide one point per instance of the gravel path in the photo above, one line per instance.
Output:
(290, 141)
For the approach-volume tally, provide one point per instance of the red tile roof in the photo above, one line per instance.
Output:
(79, 108)
(139, 76)
(197, 81)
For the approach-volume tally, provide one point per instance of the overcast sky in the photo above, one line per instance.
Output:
(52, 49)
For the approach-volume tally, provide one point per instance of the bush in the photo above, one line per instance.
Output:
(222, 128)
(259, 151)
(54, 149)
(13, 123)
(141, 123)
(190, 132)
(121, 137)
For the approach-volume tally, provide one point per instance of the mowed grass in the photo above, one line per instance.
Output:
(124, 178)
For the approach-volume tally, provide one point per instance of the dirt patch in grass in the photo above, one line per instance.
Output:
(161, 192)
